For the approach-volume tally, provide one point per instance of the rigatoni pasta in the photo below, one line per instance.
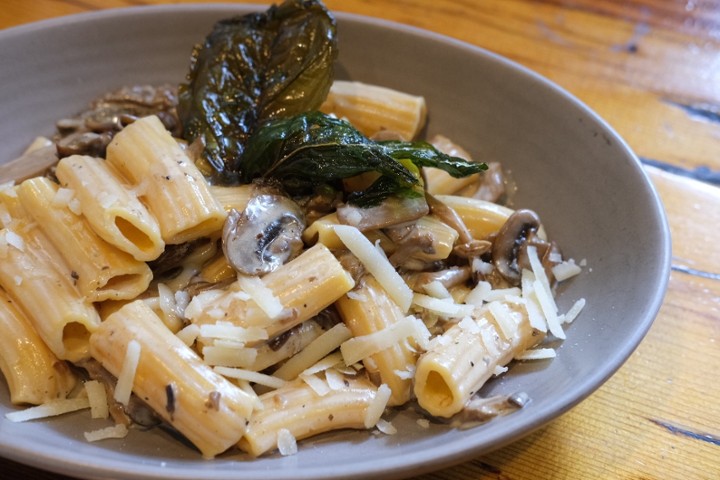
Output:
(33, 373)
(111, 207)
(101, 271)
(173, 380)
(167, 180)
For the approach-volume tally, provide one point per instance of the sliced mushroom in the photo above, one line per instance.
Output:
(511, 236)
(392, 211)
(265, 235)
(448, 277)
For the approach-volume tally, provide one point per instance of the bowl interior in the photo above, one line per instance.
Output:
(570, 167)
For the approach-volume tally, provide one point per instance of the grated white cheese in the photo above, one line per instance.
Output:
(335, 379)
(377, 264)
(565, 270)
(536, 354)
(437, 289)
(286, 443)
(316, 350)
(49, 409)
(115, 431)
(549, 309)
(189, 334)
(423, 422)
(357, 348)
(262, 295)
(574, 311)
(251, 376)
(201, 302)
(443, 307)
(125, 380)
(386, 427)
(14, 240)
(229, 356)
(502, 294)
(377, 406)
(324, 364)
(503, 318)
(317, 384)
(535, 316)
(5, 217)
(62, 197)
(97, 396)
(228, 331)
(499, 370)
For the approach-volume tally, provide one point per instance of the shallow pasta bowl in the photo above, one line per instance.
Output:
(569, 166)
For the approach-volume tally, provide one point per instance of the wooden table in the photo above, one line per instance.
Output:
(651, 68)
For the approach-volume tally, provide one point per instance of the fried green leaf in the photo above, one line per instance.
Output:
(313, 149)
(252, 68)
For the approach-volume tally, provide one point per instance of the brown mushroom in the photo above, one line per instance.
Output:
(266, 234)
(511, 236)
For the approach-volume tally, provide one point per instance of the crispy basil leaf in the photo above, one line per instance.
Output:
(252, 68)
(313, 149)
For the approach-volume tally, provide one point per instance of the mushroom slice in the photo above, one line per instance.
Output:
(391, 211)
(511, 236)
(263, 236)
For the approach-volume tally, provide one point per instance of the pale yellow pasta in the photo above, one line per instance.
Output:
(322, 231)
(33, 373)
(298, 408)
(481, 217)
(232, 197)
(111, 207)
(170, 377)
(101, 271)
(443, 238)
(370, 310)
(304, 286)
(36, 276)
(460, 361)
(167, 180)
(373, 109)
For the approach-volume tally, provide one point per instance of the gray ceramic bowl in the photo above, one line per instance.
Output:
(584, 181)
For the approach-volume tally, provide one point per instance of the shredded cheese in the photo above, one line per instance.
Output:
(377, 264)
(377, 406)
(49, 409)
(443, 307)
(286, 443)
(358, 348)
(115, 431)
(317, 349)
(536, 354)
(97, 396)
(251, 376)
(229, 355)
(262, 295)
(125, 380)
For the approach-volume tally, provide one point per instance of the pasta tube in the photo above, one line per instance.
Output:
(167, 180)
(482, 218)
(370, 310)
(299, 409)
(304, 286)
(34, 274)
(202, 405)
(33, 373)
(112, 209)
(373, 109)
(101, 271)
(460, 361)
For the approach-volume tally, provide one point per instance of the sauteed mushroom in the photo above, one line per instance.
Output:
(263, 236)
(512, 235)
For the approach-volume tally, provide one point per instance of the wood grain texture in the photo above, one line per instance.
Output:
(651, 69)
